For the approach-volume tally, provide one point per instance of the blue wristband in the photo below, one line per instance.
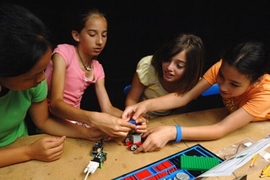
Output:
(178, 134)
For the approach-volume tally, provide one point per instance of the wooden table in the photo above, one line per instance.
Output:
(120, 160)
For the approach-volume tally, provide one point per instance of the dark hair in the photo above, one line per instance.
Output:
(24, 39)
(249, 58)
(195, 54)
(83, 15)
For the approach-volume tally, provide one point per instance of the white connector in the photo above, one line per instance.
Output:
(91, 168)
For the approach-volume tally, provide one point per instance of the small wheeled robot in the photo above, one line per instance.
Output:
(133, 141)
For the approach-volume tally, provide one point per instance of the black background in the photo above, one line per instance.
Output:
(138, 28)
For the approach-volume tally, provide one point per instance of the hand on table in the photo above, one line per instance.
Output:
(46, 149)
(157, 138)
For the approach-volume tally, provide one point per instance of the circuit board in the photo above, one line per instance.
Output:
(170, 168)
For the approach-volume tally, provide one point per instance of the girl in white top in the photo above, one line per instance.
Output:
(175, 67)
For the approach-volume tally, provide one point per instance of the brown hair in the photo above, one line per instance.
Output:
(195, 53)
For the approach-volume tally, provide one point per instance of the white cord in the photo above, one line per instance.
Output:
(90, 168)
(86, 176)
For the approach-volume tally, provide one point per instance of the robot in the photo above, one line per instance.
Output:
(133, 141)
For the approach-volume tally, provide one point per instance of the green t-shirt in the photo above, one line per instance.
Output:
(13, 108)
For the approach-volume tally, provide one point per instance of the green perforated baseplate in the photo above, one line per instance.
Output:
(198, 163)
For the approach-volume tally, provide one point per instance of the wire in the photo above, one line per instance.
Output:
(228, 156)
(87, 174)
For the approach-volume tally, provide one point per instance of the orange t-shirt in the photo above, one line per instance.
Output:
(256, 101)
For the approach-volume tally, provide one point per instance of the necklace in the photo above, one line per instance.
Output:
(87, 68)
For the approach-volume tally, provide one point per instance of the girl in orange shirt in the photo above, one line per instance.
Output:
(244, 82)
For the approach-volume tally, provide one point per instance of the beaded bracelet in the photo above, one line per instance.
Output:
(178, 134)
